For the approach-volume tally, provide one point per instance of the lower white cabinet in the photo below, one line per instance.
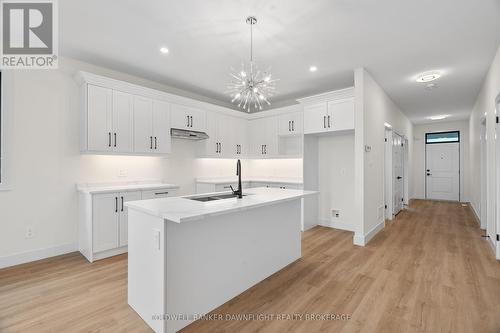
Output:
(202, 187)
(103, 221)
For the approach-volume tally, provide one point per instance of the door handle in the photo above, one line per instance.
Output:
(429, 174)
(122, 204)
(156, 143)
(399, 177)
(109, 139)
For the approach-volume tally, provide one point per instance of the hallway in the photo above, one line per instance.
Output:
(428, 270)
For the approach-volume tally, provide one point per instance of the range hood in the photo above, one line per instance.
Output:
(187, 134)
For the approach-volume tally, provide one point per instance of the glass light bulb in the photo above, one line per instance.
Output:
(243, 73)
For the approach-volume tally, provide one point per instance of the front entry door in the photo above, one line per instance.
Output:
(397, 173)
(443, 171)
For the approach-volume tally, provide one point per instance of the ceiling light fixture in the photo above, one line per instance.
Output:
(439, 117)
(164, 50)
(251, 88)
(428, 77)
(313, 69)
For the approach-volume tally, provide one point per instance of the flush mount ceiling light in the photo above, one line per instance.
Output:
(313, 69)
(439, 117)
(164, 50)
(428, 77)
(250, 87)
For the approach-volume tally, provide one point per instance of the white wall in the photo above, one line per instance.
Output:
(44, 161)
(419, 177)
(336, 181)
(485, 106)
(373, 109)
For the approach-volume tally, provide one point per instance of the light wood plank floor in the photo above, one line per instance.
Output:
(428, 271)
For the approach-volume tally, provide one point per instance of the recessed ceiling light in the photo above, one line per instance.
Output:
(439, 117)
(428, 77)
(164, 50)
(313, 69)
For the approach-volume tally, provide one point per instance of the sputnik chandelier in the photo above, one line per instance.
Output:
(251, 88)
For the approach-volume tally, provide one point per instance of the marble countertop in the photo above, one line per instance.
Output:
(182, 209)
(226, 180)
(123, 187)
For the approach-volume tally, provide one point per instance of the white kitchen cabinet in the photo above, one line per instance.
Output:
(99, 118)
(227, 136)
(290, 124)
(151, 126)
(123, 215)
(239, 137)
(188, 118)
(123, 126)
(105, 222)
(341, 115)
(329, 116)
(263, 133)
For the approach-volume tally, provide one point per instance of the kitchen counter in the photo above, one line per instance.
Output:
(122, 187)
(182, 209)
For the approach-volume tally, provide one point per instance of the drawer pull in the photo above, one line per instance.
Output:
(160, 193)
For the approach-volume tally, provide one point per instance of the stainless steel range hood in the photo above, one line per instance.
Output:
(187, 134)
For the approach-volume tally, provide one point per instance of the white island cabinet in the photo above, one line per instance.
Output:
(189, 257)
(103, 218)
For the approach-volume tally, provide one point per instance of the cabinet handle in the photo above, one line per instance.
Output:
(293, 125)
(115, 139)
(191, 121)
(265, 149)
(150, 142)
(116, 204)
(220, 147)
(329, 121)
(262, 149)
(324, 121)
(122, 204)
(156, 143)
(109, 139)
(289, 126)
(188, 121)
(160, 193)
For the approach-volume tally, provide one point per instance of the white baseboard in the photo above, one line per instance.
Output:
(310, 226)
(476, 215)
(24, 257)
(362, 240)
(337, 225)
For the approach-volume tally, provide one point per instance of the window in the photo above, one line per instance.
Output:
(442, 137)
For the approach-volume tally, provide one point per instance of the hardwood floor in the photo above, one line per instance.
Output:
(427, 271)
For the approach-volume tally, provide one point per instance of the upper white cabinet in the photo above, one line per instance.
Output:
(263, 134)
(151, 126)
(227, 136)
(109, 120)
(189, 118)
(329, 116)
(290, 124)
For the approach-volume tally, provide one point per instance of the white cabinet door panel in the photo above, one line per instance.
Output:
(315, 118)
(123, 114)
(123, 226)
(341, 115)
(105, 222)
(290, 124)
(161, 127)
(186, 117)
(99, 118)
(143, 127)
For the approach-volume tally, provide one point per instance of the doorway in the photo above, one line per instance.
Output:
(442, 171)
(398, 172)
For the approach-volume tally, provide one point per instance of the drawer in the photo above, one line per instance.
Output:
(159, 193)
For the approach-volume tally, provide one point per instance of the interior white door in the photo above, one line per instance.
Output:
(99, 118)
(161, 127)
(105, 221)
(397, 173)
(443, 171)
(123, 226)
(143, 127)
(123, 114)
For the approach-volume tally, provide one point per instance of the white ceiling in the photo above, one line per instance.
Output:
(392, 39)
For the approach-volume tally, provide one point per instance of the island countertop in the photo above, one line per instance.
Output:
(183, 209)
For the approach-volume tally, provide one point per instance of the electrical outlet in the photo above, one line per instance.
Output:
(30, 232)
(336, 213)
(122, 173)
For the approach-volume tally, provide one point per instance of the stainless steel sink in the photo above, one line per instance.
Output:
(215, 197)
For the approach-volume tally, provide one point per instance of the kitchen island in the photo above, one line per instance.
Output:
(189, 255)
